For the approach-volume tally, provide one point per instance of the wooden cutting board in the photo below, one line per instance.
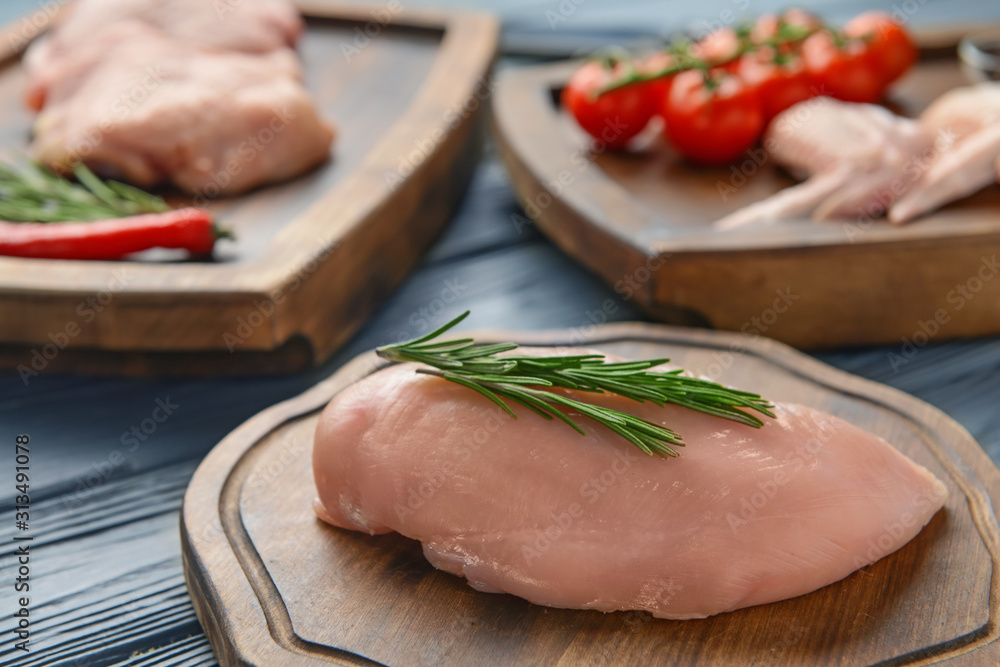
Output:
(314, 257)
(643, 222)
(273, 585)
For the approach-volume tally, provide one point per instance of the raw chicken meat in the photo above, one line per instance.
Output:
(76, 42)
(153, 109)
(967, 122)
(529, 507)
(853, 158)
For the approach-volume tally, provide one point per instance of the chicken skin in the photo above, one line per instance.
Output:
(860, 160)
(208, 96)
(853, 159)
(75, 44)
(967, 122)
(153, 110)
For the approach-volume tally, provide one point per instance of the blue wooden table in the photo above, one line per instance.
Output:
(110, 458)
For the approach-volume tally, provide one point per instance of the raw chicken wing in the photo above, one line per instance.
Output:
(966, 125)
(852, 157)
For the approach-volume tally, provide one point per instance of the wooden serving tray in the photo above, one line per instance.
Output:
(642, 221)
(321, 251)
(273, 585)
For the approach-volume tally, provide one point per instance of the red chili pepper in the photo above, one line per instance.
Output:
(190, 229)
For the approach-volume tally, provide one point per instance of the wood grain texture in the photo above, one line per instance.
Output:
(106, 578)
(273, 585)
(320, 252)
(508, 276)
(642, 221)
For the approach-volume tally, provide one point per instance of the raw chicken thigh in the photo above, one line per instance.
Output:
(76, 42)
(153, 109)
(207, 95)
(529, 507)
(852, 157)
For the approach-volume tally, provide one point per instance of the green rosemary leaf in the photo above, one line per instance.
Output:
(432, 335)
(544, 404)
(485, 350)
(524, 380)
(145, 201)
(90, 181)
(30, 193)
(478, 387)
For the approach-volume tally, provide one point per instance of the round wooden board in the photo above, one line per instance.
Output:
(274, 585)
(643, 221)
(315, 256)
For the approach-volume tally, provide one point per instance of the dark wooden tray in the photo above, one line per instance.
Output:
(275, 586)
(321, 251)
(643, 222)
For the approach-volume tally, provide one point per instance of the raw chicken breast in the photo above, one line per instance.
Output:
(529, 507)
(966, 125)
(153, 109)
(75, 43)
(852, 157)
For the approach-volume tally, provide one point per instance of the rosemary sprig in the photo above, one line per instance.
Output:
(31, 193)
(681, 52)
(518, 378)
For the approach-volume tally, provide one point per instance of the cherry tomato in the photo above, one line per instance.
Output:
(765, 28)
(658, 88)
(712, 119)
(614, 117)
(795, 21)
(780, 81)
(717, 48)
(800, 18)
(891, 46)
(847, 72)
